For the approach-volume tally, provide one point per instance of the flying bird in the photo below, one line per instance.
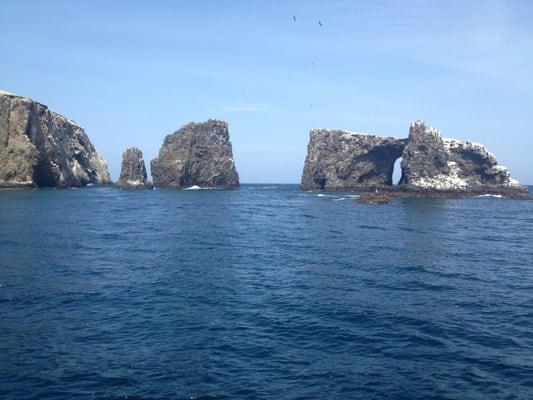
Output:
(319, 23)
(294, 18)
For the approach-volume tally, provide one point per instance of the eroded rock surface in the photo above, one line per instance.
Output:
(433, 163)
(342, 160)
(41, 148)
(198, 154)
(133, 171)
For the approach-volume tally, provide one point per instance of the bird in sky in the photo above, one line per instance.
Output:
(294, 18)
(319, 23)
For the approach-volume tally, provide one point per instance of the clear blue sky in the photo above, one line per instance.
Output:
(131, 72)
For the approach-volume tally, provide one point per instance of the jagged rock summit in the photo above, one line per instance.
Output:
(341, 160)
(40, 148)
(133, 171)
(431, 162)
(197, 154)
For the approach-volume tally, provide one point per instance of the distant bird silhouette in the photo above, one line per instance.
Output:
(294, 18)
(319, 23)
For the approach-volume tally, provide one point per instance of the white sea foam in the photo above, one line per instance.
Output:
(498, 196)
(340, 199)
(194, 187)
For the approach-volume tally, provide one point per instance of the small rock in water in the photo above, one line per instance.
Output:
(375, 198)
(133, 171)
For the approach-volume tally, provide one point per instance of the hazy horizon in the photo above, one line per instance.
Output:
(132, 72)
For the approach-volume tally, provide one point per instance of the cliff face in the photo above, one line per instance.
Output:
(433, 163)
(342, 160)
(41, 148)
(198, 154)
(133, 171)
(424, 157)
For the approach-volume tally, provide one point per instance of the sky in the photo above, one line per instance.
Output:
(131, 72)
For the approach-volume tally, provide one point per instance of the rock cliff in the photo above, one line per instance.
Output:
(433, 163)
(198, 154)
(342, 160)
(133, 171)
(39, 148)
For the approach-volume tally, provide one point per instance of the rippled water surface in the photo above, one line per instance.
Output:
(263, 292)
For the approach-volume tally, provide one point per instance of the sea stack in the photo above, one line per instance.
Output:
(432, 163)
(197, 154)
(133, 171)
(40, 148)
(342, 160)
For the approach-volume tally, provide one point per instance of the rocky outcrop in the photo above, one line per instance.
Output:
(342, 160)
(39, 148)
(198, 154)
(433, 163)
(133, 171)
(425, 156)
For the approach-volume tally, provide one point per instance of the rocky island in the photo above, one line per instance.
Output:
(133, 171)
(40, 148)
(431, 165)
(197, 154)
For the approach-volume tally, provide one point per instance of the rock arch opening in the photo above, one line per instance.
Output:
(397, 172)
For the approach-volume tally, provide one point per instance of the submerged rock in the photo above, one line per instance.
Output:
(433, 163)
(387, 194)
(40, 148)
(376, 198)
(342, 160)
(198, 154)
(133, 171)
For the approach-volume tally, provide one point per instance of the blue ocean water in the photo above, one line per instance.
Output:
(265, 292)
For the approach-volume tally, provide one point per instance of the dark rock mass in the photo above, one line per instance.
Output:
(342, 160)
(39, 148)
(425, 155)
(433, 163)
(133, 171)
(196, 155)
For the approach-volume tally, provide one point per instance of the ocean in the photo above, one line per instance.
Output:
(265, 292)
